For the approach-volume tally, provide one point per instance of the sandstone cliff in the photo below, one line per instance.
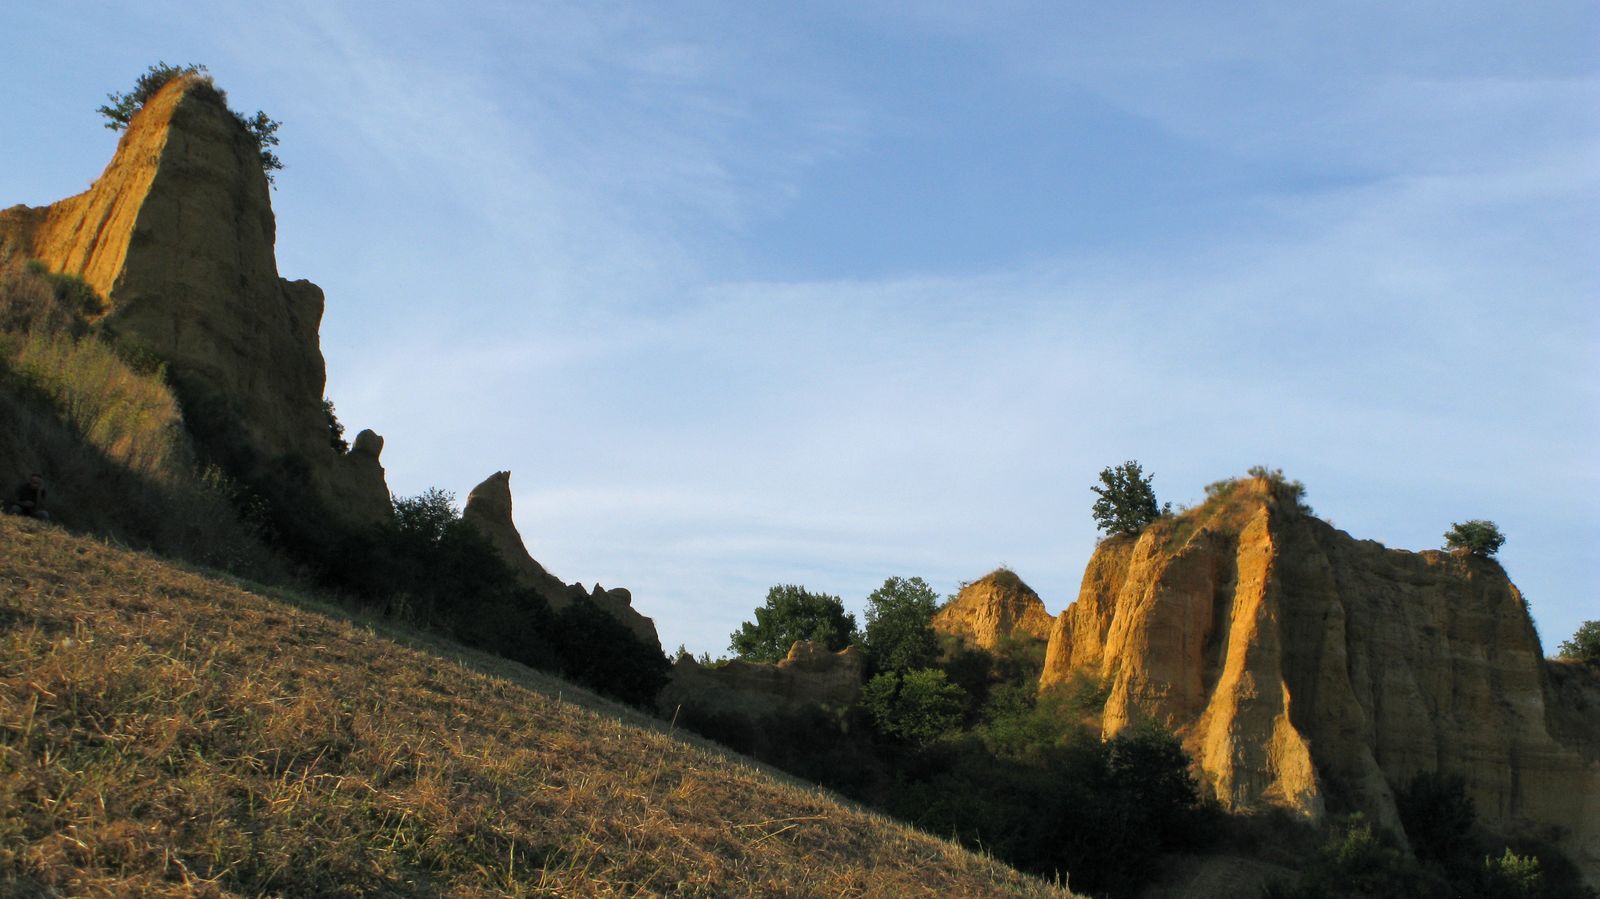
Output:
(1313, 671)
(995, 607)
(808, 676)
(488, 510)
(177, 234)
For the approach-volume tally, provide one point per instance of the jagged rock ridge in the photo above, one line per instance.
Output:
(1312, 671)
(177, 234)
(488, 510)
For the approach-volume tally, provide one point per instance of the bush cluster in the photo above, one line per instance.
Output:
(261, 128)
(957, 740)
(99, 420)
(1450, 858)
(1584, 645)
(431, 568)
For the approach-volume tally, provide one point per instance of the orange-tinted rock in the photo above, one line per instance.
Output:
(177, 234)
(996, 607)
(1304, 668)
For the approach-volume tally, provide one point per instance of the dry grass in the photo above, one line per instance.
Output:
(163, 733)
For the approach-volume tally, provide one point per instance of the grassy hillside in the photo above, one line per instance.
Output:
(165, 733)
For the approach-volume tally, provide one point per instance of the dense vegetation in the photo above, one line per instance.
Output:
(95, 415)
(261, 128)
(1584, 645)
(1477, 536)
(958, 741)
(1450, 858)
(793, 613)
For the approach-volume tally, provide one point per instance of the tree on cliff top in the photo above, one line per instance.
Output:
(1127, 502)
(1584, 645)
(263, 129)
(793, 613)
(1478, 536)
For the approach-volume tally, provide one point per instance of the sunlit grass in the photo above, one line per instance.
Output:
(167, 734)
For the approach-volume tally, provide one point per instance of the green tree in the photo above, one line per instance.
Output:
(900, 634)
(335, 427)
(917, 706)
(1438, 816)
(261, 128)
(1478, 536)
(793, 613)
(1127, 502)
(119, 112)
(1584, 645)
(1513, 876)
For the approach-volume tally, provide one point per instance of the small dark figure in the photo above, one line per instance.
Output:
(29, 500)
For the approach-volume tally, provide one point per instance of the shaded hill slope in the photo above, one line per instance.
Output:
(164, 733)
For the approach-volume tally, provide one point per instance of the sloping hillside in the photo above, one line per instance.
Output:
(165, 733)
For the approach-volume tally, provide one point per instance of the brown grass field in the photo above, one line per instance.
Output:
(164, 732)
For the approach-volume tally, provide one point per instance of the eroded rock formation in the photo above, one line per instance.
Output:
(488, 510)
(993, 608)
(1313, 671)
(177, 234)
(809, 675)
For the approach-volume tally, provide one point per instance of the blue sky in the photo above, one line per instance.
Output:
(830, 292)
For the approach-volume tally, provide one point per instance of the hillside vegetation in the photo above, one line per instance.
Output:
(164, 733)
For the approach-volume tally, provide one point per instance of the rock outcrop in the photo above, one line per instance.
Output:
(809, 676)
(1312, 671)
(177, 234)
(488, 511)
(996, 607)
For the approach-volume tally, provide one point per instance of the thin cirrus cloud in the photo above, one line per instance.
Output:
(833, 293)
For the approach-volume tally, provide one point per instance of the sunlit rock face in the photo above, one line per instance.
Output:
(1312, 671)
(488, 510)
(992, 609)
(177, 235)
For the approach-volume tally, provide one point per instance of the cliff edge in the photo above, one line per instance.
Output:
(1312, 671)
(178, 236)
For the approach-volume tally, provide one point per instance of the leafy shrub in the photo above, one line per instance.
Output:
(793, 613)
(1584, 645)
(1292, 493)
(918, 706)
(599, 651)
(1478, 536)
(335, 428)
(1221, 489)
(261, 128)
(1438, 817)
(1127, 502)
(900, 634)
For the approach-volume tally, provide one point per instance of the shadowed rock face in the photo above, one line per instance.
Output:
(993, 608)
(177, 234)
(1307, 669)
(488, 510)
(809, 675)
